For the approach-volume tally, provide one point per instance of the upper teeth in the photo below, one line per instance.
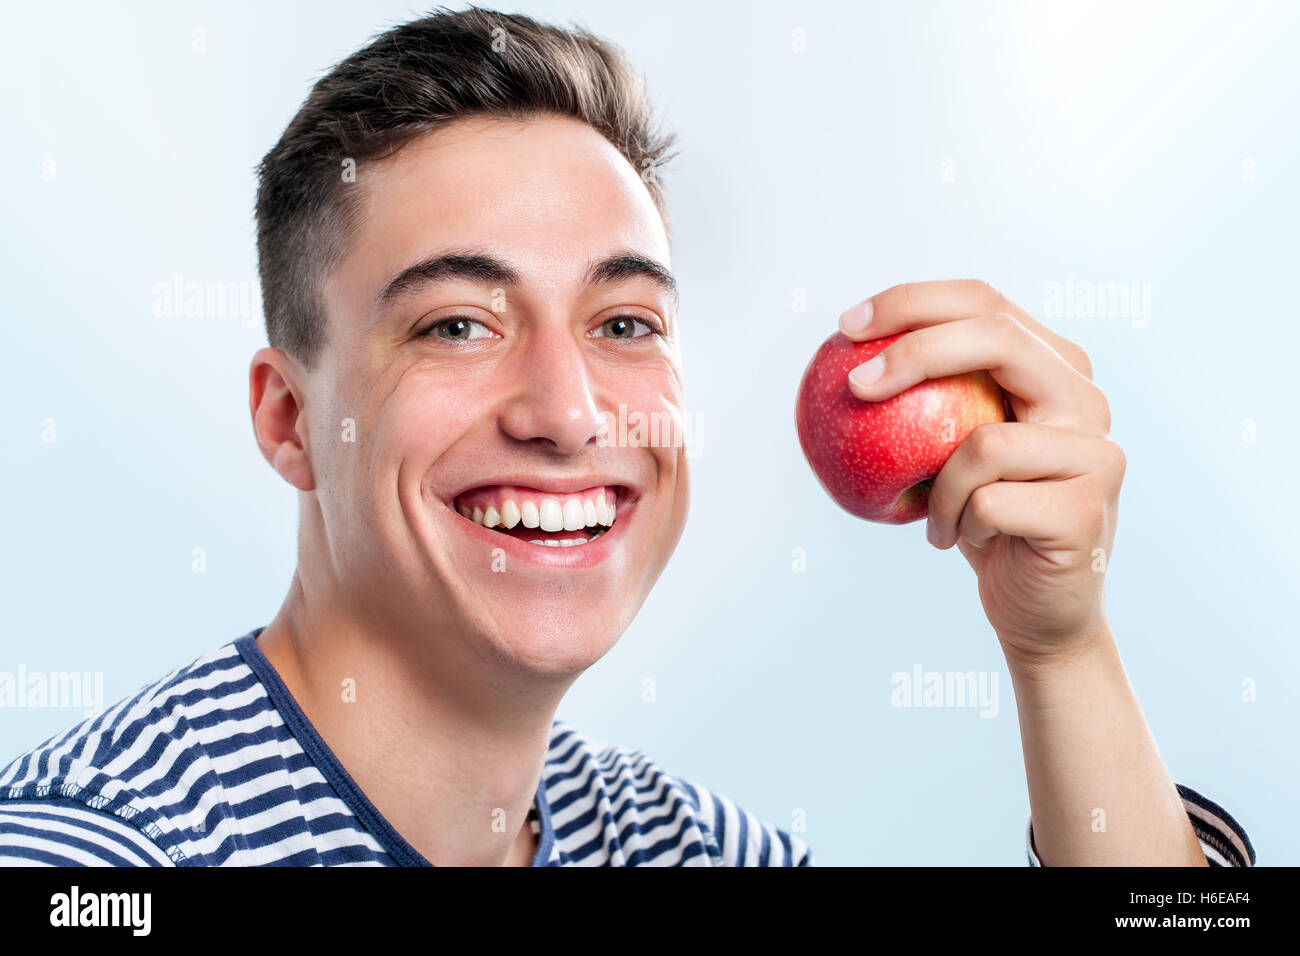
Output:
(548, 512)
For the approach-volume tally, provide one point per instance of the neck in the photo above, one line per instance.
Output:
(448, 749)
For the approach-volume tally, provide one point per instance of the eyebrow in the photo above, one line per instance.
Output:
(485, 269)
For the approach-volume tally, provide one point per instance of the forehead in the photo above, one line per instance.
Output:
(542, 192)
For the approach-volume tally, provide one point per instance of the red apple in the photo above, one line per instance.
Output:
(878, 459)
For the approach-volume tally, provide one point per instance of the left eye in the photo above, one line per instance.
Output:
(625, 327)
(457, 329)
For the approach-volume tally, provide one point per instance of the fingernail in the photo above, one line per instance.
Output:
(856, 320)
(869, 372)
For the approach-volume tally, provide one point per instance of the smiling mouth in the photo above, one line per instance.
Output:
(545, 519)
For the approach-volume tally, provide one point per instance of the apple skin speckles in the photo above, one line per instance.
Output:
(876, 459)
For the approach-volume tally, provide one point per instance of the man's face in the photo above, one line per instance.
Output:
(477, 391)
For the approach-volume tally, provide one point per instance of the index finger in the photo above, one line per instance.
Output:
(917, 304)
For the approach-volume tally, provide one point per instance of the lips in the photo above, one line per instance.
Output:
(543, 517)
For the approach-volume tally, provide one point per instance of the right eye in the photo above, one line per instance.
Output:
(458, 328)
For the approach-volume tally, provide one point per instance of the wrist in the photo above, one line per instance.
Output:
(1093, 652)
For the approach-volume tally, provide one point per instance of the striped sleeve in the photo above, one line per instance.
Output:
(67, 833)
(741, 839)
(1223, 840)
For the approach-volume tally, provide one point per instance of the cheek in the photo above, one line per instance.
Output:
(659, 399)
(407, 431)
(649, 388)
(417, 422)
(371, 426)
(646, 412)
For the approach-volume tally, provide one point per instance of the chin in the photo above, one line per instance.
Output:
(551, 569)
(553, 642)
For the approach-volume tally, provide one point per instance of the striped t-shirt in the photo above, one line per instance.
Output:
(216, 765)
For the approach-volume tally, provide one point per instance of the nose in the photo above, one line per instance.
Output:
(553, 404)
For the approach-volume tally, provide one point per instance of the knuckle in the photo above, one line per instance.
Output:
(1118, 459)
(981, 505)
(986, 445)
(1103, 407)
(985, 293)
(1092, 503)
(1008, 326)
(1080, 360)
(1075, 356)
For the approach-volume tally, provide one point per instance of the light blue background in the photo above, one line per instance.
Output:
(1018, 143)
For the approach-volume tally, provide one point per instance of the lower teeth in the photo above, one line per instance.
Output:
(556, 543)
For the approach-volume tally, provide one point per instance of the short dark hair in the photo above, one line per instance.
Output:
(412, 79)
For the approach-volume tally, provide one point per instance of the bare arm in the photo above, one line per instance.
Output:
(1099, 794)
(1032, 504)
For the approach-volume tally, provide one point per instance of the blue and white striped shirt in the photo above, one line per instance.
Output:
(215, 764)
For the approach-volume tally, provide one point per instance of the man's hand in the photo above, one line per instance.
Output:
(1031, 503)
(1032, 506)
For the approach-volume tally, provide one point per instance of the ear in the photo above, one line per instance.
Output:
(275, 400)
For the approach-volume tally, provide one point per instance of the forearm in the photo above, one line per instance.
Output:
(1099, 794)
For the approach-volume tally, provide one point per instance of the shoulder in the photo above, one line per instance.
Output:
(615, 806)
(93, 790)
(63, 832)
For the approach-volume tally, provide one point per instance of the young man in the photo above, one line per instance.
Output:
(465, 258)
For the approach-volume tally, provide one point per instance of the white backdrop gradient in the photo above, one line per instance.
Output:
(1028, 144)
